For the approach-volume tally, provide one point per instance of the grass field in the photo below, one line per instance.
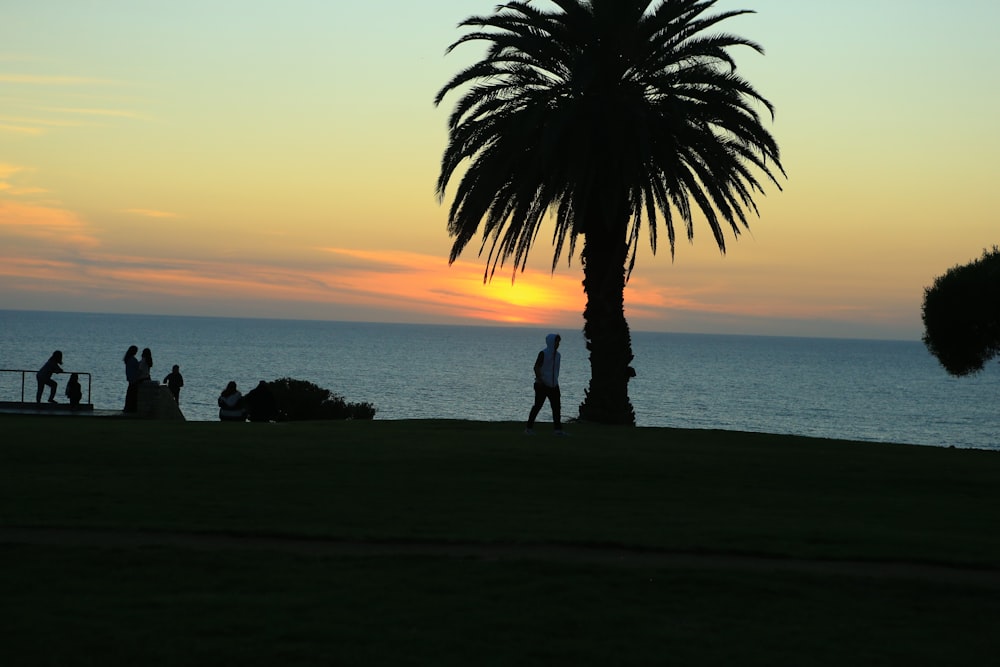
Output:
(458, 543)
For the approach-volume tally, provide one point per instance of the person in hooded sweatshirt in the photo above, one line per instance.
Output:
(547, 384)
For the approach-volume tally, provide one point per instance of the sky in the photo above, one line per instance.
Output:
(278, 159)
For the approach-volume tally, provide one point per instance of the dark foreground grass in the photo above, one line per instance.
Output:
(165, 607)
(695, 491)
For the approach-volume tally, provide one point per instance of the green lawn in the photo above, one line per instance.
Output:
(701, 492)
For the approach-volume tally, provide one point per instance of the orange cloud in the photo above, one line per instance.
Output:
(393, 282)
(149, 213)
(29, 227)
(9, 170)
(34, 269)
(46, 250)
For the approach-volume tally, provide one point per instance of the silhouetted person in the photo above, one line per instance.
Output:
(132, 375)
(547, 384)
(231, 404)
(261, 404)
(44, 377)
(145, 365)
(74, 392)
(174, 382)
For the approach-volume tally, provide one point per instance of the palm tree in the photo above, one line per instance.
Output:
(605, 113)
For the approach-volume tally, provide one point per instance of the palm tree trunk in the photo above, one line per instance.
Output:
(605, 328)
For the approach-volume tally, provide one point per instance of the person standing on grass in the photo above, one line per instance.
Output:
(132, 375)
(145, 365)
(174, 382)
(547, 384)
(44, 377)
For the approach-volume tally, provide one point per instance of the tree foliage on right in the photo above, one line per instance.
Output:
(961, 314)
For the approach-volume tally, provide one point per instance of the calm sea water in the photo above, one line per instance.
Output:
(892, 391)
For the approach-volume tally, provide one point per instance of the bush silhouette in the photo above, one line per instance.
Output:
(299, 400)
(961, 314)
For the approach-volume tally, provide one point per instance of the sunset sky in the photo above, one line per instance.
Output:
(278, 159)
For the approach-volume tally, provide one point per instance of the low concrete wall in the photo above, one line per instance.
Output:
(156, 402)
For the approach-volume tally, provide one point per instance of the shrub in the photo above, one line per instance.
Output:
(299, 400)
(961, 314)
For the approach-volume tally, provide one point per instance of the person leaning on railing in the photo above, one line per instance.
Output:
(44, 377)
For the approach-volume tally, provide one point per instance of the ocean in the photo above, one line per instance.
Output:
(867, 390)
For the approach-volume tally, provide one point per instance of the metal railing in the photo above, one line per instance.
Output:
(25, 373)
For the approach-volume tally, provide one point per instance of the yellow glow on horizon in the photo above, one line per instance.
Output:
(129, 178)
(402, 281)
(45, 250)
(458, 290)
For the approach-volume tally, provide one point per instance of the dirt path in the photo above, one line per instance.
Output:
(601, 555)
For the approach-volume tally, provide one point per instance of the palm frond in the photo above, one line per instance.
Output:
(618, 113)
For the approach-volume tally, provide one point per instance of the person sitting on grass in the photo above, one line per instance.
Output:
(261, 404)
(74, 392)
(231, 407)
